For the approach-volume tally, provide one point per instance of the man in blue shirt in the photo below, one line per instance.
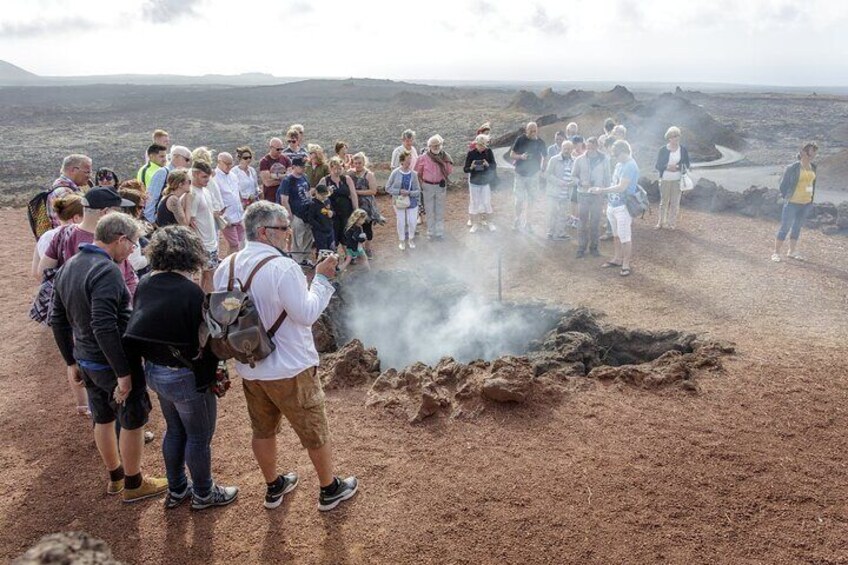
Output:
(180, 159)
(295, 195)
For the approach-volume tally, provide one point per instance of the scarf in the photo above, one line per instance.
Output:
(442, 161)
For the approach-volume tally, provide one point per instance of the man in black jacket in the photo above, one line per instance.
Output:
(91, 306)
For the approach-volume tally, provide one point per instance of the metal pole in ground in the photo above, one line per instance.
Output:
(500, 268)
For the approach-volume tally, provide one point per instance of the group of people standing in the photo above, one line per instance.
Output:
(122, 331)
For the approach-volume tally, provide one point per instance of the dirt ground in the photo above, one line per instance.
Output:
(751, 469)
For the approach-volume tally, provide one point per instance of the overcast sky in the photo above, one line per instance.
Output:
(754, 42)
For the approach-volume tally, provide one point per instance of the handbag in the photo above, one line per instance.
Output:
(402, 202)
(686, 183)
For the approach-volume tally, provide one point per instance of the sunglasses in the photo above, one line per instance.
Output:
(281, 228)
(276, 148)
(246, 157)
(292, 141)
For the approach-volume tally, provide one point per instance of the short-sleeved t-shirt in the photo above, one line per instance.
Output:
(535, 149)
(297, 191)
(276, 166)
(630, 170)
(61, 251)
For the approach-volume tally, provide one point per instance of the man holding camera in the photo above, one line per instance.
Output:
(286, 382)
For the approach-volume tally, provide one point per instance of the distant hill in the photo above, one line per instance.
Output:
(10, 73)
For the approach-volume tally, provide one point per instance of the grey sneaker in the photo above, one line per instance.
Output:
(174, 499)
(218, 496)
(274, 495)
(345, 488)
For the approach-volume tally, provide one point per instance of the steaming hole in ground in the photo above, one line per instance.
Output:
(411, 317)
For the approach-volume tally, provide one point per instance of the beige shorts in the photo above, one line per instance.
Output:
(300, 399)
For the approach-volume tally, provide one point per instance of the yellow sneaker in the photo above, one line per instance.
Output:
(150, 486)
(115, 487)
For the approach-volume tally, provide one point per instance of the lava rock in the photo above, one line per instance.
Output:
(842, 215)
(351, 365)
(68, 547)
(323, 334)
(505, 390)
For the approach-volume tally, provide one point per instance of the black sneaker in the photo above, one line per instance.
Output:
(581, 254)
(594, 253)
(218, 496)
(174, 499)
(345, 488)
(274, 496)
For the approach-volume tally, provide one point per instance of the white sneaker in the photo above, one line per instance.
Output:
(775, 257)
(491, 227)
(411, 244)
(797, 256)
(401, 246)
(469, 223)
(474, 228)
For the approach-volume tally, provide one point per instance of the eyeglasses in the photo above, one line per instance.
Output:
(133, 243)
(276, 148)
(281, 228)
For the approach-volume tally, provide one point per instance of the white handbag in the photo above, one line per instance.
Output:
(686, 182)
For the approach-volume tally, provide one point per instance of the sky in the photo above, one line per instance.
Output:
(769, 42)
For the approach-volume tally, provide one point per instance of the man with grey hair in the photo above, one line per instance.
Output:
(228, 185)
(179, 158)
(74, 177)
(286, 382)
(529, 153)
(91, 307)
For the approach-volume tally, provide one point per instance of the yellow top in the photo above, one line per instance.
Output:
(804, 189)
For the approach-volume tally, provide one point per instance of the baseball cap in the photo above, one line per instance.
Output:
(105, 197)
(298, 162)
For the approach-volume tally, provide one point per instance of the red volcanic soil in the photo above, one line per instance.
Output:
(748, 468)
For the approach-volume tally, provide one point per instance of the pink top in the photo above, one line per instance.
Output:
(429, 171)
(61, 251)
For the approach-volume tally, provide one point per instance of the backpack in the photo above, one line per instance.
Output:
(637, 203)
(231, 323)
(39, 220)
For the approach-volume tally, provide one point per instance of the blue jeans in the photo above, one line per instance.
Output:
(793, 216)
(190, 423)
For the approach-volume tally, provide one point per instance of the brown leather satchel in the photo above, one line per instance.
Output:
(231, 322)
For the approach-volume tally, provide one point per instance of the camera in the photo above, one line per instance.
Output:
(324, 253)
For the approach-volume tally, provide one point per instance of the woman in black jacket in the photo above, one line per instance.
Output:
(163, 331)
(480, 163)
(672, 162)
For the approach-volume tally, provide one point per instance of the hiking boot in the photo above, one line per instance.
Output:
(218, 496)
(150, 486)
(115, 487)
(274, 495)
(345, 488)
(174, 499)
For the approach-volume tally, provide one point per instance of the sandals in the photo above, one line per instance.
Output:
(610, 264)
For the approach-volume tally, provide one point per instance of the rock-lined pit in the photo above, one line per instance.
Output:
(576, 349)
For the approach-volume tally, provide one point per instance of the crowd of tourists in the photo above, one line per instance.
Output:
(126, 269)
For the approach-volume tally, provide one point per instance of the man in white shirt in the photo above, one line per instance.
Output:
(202, 219)
(286, 382)
(232, 210)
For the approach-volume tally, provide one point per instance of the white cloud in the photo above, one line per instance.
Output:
(666, 40)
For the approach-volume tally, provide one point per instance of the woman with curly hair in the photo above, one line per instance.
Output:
(163, 333)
